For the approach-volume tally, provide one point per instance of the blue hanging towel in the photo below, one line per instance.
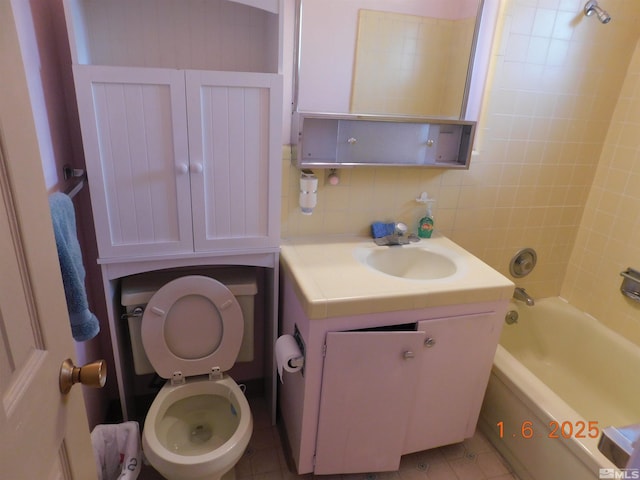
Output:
(84, 324)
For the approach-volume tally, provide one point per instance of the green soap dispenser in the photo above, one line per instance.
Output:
(425, 225)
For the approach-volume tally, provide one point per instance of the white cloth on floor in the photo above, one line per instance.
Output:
(117, 451)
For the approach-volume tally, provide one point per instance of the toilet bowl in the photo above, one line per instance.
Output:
(199, 423)
(198, 430)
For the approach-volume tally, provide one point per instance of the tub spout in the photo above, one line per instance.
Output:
(521, 294)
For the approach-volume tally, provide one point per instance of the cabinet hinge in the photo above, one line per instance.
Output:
(313, 460)
(324, 350)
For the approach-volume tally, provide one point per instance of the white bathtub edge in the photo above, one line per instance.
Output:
(539, 398)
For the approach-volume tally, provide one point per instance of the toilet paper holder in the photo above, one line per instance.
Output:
(298, 362)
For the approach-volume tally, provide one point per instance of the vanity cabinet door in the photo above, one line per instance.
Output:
(455, 362)
(368, 386)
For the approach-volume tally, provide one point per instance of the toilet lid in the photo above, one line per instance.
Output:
(191, 325)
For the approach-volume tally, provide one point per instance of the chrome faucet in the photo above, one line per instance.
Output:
(521, 294)
(398, 237)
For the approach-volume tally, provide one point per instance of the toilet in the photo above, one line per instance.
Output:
(199, 423)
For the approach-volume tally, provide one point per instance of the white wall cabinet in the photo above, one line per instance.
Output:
(179, 161)
(180, 108)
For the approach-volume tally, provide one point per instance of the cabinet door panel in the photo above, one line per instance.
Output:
(234, 144)
(134, 134)
(453, 376)
(367, 388)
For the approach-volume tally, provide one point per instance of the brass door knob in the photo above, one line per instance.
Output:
(92, 375)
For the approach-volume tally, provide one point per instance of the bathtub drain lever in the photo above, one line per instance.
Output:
(511, 317)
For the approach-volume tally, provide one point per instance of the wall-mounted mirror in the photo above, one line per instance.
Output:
(386, 57)
(417, 59)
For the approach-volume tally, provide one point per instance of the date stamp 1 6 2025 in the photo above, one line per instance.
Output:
(567, 429)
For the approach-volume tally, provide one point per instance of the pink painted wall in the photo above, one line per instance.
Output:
(45, 52)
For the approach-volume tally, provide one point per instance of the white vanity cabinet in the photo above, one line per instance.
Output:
(381, 385)
(180, 106)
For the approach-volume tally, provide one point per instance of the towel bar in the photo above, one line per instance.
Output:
(68, 173)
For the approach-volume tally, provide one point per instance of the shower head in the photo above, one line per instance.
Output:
(592, 7)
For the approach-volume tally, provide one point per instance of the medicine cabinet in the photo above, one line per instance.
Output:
(329, 141)
(400, 81)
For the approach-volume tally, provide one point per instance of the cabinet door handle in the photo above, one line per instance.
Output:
(196, 167)
(182, 168)
(407, 354)
(429, 342)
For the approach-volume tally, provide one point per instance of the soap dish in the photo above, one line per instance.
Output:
(631, 284)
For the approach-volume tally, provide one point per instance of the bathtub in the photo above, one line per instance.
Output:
(559, 377)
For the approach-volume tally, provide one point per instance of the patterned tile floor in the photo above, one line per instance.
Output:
(473, 459)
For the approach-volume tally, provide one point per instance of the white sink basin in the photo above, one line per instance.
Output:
(410, 262)
(333, 276)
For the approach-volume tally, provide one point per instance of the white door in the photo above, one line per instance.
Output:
(43, 434)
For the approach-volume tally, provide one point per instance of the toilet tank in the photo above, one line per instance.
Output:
(137, 290)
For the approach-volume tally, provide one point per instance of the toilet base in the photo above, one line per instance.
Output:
(220, 402)
(230, 475)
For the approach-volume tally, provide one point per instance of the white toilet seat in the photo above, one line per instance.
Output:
(192, 325)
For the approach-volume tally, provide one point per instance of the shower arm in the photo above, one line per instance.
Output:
(592, 7)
